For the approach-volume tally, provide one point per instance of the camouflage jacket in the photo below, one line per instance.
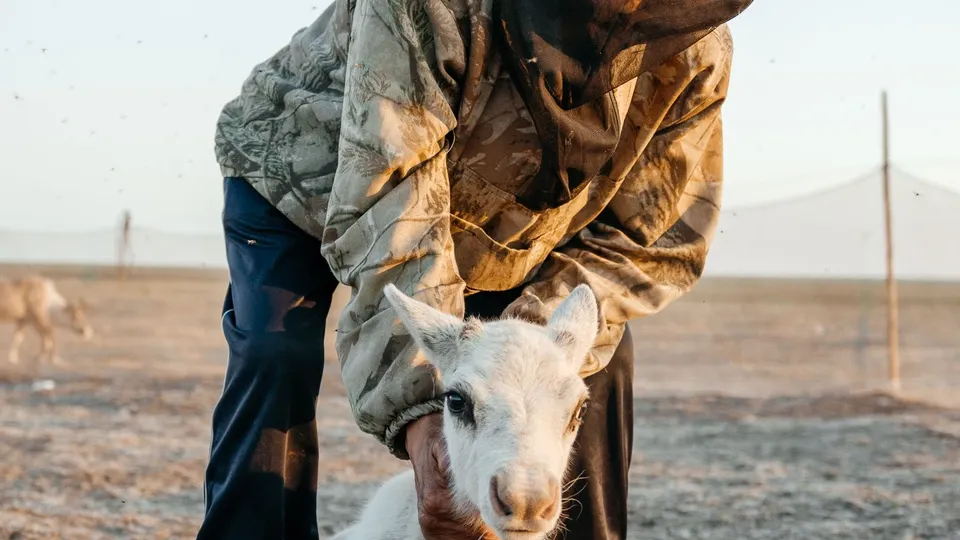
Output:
(391, 131)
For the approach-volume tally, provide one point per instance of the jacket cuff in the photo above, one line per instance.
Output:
(395, 436)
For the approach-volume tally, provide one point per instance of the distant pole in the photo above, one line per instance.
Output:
(893, 316)
(123, 248)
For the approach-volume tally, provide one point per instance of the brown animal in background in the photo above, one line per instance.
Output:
(34, 301)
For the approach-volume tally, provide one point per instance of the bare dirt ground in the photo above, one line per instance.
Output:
(757, 416)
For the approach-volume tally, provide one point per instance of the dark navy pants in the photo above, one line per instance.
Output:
(261, 480)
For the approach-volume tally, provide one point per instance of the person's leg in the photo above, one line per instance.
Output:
(261, 480)
(596, 489)
(600, 469)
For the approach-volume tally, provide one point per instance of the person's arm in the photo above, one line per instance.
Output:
(650, 244)
(388, 215)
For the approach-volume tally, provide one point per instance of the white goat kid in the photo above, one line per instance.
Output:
(513, 406)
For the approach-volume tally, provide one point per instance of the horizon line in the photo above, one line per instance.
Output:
(877, 170)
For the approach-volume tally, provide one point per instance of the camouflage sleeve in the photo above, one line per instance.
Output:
(649, 245)
(388, 215)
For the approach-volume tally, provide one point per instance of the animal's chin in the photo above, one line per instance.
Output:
(521, 535)
(507, 531)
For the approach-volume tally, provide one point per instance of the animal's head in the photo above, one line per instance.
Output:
(513, 405)
(76, 312)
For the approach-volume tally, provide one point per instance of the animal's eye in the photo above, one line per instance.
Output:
(456, 403)
(581, 411)
(578, 416)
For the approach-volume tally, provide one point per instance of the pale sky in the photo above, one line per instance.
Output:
(111, 104)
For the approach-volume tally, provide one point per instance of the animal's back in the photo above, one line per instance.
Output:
(391, 514)
(32, 294)
(42, 293)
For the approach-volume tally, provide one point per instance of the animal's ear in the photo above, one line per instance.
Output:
(435, 332)
(575, 323)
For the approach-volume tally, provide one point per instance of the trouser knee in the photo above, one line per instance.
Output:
(277, 372)
(276, 355)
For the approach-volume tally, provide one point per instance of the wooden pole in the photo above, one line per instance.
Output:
(893, 315)
(123, 246)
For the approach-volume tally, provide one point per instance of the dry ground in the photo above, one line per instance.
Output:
(757, 416)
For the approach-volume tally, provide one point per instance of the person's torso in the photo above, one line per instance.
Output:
(281, 134)
(500, 241)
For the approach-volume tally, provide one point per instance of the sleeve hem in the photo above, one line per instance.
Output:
(394, 435)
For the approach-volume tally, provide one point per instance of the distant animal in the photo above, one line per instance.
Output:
(34, 301)
(513, 405)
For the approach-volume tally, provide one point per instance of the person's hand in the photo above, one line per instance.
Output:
(428, 455)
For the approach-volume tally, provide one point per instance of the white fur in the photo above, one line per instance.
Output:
(523, 382)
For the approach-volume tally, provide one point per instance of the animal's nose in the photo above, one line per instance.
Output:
(530, 497)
